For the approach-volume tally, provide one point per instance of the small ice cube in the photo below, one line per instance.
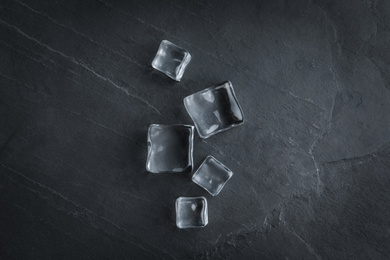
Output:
(171, 60)
(214, 109)
(170, 148)
(212, 175)
(191, 212)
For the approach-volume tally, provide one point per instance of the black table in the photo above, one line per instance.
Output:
(311, 162)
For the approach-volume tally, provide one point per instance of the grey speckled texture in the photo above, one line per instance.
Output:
(311, 162)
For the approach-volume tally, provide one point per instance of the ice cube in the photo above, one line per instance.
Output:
(170, 148)
(171, 60)
(191, 212)
(214, 109)
(212, 175)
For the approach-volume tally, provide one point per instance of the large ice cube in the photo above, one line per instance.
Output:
(214, 109)
(212, 175)
(171, 60)
(191, 212)
(170, 148)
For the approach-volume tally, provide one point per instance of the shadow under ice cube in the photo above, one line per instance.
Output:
(170, 148)
(212, 175)
(214, 109)
(171, 60)
(191, 212)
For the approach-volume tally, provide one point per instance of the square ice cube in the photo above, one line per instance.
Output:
(171, 60)
(170, 148)
(214, 109)
(212, 175)
(191, 212)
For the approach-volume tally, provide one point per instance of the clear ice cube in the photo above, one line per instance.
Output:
(170, 148)
(171, 60)
(214, 109)
(212, 175)
(191, 212)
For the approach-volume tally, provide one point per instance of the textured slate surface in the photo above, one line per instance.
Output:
(311, 163)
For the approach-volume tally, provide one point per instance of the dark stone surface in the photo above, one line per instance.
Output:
(311, 162)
